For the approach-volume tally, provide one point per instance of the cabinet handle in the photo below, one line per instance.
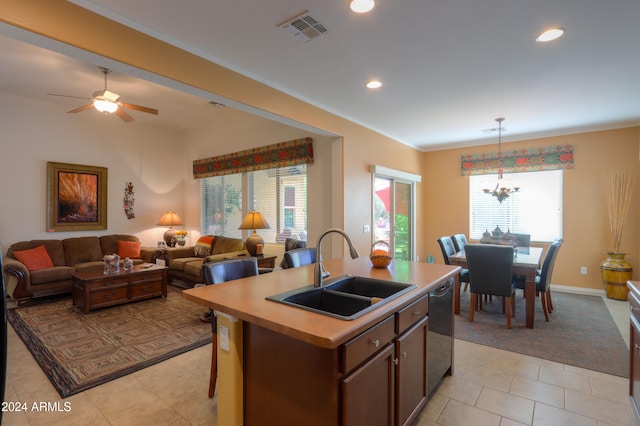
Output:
(637, 347)
(395, 361)
(633, 309)
(404, 355)
(375, 342)
(109, 296)
(417, 313)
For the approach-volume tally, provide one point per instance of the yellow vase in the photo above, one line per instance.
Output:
(616, 271)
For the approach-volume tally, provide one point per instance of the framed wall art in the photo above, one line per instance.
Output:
(76, 197)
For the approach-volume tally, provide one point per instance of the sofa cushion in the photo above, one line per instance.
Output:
(203, 246)
(225, 244)
(194, 267)
(35, 258)
(56, 273)
(82, 249)
(180, 263)
(109, 243)
(130, 249)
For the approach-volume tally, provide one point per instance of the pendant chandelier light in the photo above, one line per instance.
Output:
(502, 189)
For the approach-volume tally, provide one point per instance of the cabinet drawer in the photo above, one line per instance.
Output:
(151, 277)
(634, 305)
(412, 314)
(109, 295)
(146, 288)
(358, 349)
(108, 282)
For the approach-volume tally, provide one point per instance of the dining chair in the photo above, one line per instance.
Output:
(459, 241)
(543, 280)
(291, 244)
(491, 273)
(448, 248)
(300, 257)
(216, 273)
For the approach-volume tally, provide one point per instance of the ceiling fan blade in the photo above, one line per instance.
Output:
(123, 114)
(140, 108)
(67, 96)
(82, 108)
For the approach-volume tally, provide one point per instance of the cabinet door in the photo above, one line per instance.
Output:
(368, 392)
(634, 379)
(411, 352)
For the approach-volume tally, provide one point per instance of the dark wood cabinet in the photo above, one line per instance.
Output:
(368, 392)
(411, 391)
(634, 347)
(377, 378)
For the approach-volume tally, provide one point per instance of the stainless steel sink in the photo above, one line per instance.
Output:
(346, 298)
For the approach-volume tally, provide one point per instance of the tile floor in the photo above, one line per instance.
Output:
(489, 387)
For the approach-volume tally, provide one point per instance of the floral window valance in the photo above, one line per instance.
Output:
(523, 160)
(282, 154)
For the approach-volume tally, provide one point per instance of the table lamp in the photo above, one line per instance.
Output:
(170, 219)
(254, 220)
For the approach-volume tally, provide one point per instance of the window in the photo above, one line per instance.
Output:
(536, 209)
(279, 194)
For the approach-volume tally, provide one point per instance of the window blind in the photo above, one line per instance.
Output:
(536, 209)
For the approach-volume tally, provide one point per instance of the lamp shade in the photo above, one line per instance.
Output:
(170, 219)
(254, 220)
(255, 242)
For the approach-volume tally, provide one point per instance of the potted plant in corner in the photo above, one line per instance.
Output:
(616, 271)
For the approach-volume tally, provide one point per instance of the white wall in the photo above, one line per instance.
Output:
(34, 133)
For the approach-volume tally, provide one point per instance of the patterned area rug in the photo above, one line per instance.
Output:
(78, 351)
(580, 332)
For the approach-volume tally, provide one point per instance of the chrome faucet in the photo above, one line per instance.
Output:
(318, 271)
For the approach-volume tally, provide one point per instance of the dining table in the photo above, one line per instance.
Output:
(526, 262)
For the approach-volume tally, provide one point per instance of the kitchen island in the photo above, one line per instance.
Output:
(284, 365)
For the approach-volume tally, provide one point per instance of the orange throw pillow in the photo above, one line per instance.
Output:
(34, 259)
(203, 246)
(130, 249)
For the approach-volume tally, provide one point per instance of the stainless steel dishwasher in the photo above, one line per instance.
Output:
(440, 337)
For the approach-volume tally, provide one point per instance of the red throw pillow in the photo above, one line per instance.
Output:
(34, 259)
(130, 249)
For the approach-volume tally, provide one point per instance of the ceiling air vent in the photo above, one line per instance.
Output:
(303, 26)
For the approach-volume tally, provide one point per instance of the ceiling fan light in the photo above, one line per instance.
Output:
(362, 6)
(105, 106)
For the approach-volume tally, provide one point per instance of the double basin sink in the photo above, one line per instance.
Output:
(346, 298)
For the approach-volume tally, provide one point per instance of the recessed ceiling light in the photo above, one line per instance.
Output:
(550, 35)
(362, 6)
(373, 84)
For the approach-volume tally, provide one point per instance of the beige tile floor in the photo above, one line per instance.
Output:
(489, 387)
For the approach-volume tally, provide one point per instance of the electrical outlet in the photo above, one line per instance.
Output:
(224, 338)
(583, 270)
(366, 229)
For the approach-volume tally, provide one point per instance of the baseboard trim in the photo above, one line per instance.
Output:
(578, 290)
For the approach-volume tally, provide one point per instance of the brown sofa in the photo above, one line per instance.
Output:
(68, 255)
(184, 265)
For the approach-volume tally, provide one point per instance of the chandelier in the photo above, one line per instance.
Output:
(502, 190)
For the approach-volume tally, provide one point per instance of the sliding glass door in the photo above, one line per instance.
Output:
(393, 215)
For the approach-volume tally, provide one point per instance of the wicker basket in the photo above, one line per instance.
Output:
(380, 254)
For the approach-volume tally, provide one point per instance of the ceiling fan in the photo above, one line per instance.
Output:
(109, 102)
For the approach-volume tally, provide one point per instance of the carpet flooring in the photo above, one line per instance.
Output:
(78, 351)
(580, 332)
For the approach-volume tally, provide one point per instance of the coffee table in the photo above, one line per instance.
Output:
(92, 289)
